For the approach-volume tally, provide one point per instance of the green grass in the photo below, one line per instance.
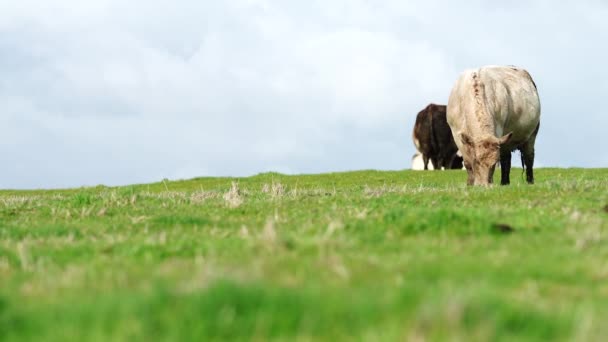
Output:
(361, 255)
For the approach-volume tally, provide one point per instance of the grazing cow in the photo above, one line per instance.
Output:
(493, 111)
(433, 138)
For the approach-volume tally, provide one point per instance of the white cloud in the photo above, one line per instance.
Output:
(118, 92)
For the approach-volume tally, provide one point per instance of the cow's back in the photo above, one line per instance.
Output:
(512, 100)
(502, 98)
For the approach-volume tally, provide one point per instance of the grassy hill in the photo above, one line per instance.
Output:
(371, 255)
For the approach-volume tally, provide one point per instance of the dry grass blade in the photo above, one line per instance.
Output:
(233, 196)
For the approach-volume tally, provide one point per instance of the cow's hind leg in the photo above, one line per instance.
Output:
(449, 161)
(425, 159)
(446, 160)
(527, 152)
(505, 166)
(527, 155)
(440, 163)
(435, 161)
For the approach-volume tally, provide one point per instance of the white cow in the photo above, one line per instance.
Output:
(492, 111)
(418, 162)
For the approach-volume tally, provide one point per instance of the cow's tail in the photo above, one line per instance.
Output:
(416, 141)
(523, 167)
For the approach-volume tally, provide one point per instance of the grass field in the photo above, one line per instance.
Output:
(361, 255)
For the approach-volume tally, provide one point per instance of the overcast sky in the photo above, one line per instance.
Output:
(118, 92)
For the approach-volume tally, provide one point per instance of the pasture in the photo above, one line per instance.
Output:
(369, 255)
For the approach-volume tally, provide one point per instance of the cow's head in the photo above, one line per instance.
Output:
(481, 156)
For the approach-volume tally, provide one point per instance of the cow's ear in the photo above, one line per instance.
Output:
(505, 139)
(466, 139)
